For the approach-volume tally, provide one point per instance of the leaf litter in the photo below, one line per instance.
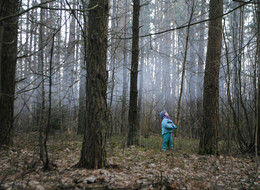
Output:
(128, 168)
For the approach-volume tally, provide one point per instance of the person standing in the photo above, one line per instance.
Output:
(167, 130)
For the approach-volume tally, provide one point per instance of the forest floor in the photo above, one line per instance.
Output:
(143, 167)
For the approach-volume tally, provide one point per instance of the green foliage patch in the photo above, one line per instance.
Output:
(154, 143)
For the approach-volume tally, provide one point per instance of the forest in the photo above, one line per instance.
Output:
(83, 84)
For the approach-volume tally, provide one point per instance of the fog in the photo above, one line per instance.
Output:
(161, 66)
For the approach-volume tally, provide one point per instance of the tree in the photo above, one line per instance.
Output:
(8, 57)
(47, 164)
(125, 75)
(70, 62)
(82, 84)
(132, 115)
(166, 62)
(209, 129)
(113, 61)
(201, 59)
(184, 66)
(41, 80)
(93, 153)
(257, 135)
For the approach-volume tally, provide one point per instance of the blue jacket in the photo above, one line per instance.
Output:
(167, 126)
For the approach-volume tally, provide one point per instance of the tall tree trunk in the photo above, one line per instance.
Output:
(41, 81)
(59, 75)
(201, 59)
(69, 75)
(112, 65)
(174, 63)
(93, 153)
(140, 90)
(184, 68)
(82, 100)
(257, 131)
(228, 81)
(209, 130)
(82, 84)
(141, 80)
(8, 57)
(132, 116)
(166, 58)
(48, 127)
(192, 61)
(125, 73)
(157, 59)
(191, 69)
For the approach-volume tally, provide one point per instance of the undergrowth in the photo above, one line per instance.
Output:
(61, 141)
(154, 142)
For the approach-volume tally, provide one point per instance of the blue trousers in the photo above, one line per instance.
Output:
(167, 141)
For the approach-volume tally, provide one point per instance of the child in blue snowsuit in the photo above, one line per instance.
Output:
(167, 130)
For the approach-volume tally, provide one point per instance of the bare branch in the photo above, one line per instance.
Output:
(41, 5)
(195, 23)
(248, 2)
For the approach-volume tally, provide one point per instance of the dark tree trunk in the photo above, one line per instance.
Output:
(182, 85)
(8, 56)
(125, 75)
(201, 59)
(174, 63)
(201, 55)
(132, 115)
(48, 127)
(82, 86)
(93, 153)
(209, 130)
(82, 101)
(166, 60)
(41, 81)
(69, 69)
(257, 144)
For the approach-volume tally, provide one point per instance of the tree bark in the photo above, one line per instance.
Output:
(125, 74)
(200, 69)
(8, 57)
(166, 61)
(113, 60)
(157, 59)
(132, 115)
(48, 126)
(209, 130)
(93, 153)
(184, 68)
(174, 62)
(82, 86)
(69, 67)
(257, 130)
(41, 81)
